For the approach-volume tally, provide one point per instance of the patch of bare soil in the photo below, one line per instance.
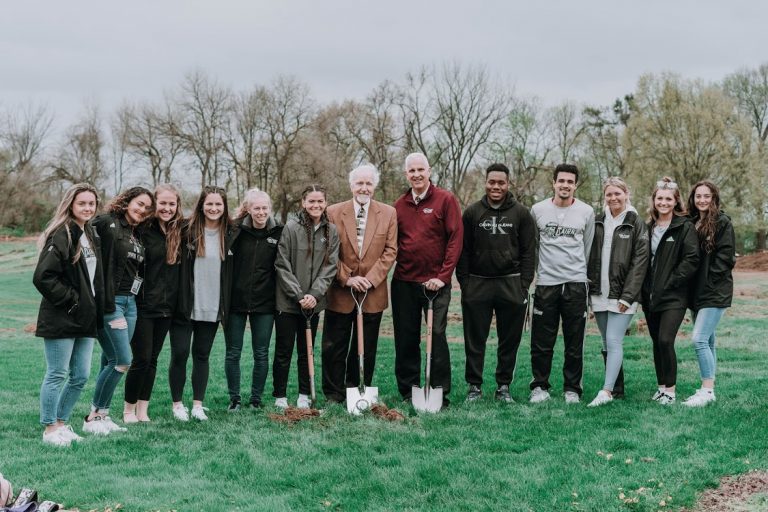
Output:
(757, 261)
(385, 413)
(294, 415)
(734, 494)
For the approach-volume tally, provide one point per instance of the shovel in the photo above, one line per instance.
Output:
(361, 398)
(310, 355)
(428, 399)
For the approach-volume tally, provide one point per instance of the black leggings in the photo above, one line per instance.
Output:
(290, 329)
(146, 344)
(200, 336)
(663, 326)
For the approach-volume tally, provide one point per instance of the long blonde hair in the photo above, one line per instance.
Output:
(63, 215)
(173, 226)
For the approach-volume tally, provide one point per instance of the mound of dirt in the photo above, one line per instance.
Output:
(384, 412)
(293, 415)
(734, 493)
(754, 262)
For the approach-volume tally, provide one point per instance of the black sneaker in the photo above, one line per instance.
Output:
(502, 393)
(256, 405)
(234, 406)
(474, 393)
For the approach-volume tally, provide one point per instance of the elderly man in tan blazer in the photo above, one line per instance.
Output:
(367, 250)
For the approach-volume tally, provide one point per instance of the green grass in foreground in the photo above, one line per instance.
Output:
(629, 455)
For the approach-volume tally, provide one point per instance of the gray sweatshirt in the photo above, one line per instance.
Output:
(565, 239)
(208, 280)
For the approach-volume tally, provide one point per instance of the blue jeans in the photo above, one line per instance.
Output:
(261, 332)
(116, 346)
(612, 327)
(705, 323)
(64, 357)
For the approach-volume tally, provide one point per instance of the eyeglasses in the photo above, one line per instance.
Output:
(666, 185)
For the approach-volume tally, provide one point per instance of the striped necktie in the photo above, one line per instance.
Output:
(360, 229)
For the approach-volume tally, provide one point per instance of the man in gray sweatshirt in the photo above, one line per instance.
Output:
(565, 230)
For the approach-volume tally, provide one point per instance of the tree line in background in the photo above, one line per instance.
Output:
(278, 138)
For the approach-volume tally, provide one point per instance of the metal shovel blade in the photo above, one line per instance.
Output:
(358, 402)
(427, 399)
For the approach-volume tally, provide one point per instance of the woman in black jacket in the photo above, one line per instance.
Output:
(713, 289)
(203, 302)
(674, 251)
(68, 275)
(122, 254)
(254, 247)
(617, 265)
(156, 302)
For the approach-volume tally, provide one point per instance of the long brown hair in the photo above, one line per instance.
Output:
(306, 222)
(173, 226)
(707, 220)
(64, 215)
(197, 222)
(667, 183)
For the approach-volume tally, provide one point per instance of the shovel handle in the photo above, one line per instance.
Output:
(310, 351)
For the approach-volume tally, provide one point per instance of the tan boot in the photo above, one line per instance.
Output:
(129, 413)
(142, 410)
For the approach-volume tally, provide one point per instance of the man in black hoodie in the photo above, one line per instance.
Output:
(495, 270)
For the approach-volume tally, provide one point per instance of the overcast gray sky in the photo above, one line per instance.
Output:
(71, 52)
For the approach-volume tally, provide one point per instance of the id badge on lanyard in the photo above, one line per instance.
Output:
(136, 286)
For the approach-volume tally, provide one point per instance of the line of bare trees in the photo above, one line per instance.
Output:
(277, 137)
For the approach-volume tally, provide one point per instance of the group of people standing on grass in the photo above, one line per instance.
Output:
(141, 272)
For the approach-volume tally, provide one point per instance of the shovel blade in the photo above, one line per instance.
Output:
(358, 402)
(427, 399)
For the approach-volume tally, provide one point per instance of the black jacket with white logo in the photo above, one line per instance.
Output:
(253, 262)
(714, 279)
(671, 270)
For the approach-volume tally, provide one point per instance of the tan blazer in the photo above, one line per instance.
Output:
(378, 255)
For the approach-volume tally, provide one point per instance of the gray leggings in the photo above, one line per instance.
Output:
(612, 328)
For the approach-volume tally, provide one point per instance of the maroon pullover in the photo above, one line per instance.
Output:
(429, 236)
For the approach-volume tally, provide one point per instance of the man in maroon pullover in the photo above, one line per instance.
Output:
(430, 234)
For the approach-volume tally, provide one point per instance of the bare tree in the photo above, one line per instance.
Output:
(567, 130)
(80, 156)
(204, 109)
(23, 133)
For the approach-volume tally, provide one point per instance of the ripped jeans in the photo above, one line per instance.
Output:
(115, 340)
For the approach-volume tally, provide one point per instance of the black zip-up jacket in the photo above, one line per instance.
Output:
(629, 258)
(670, 272)
(714, 279)
(254, 252)
(160, 290)
(115, 233)
(498, 242)
(69, 308)
(186, 298)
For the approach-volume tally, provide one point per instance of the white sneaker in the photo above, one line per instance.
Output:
(96, 426)
(699, 399)
(181, 413)
(666, 399)
(198, 412)
(282, 402)
(657, 395)
(111, 425)
(603, 397)
(303, 402)
(67, 432)
(539, 395)
(572, 397)
(56, 438)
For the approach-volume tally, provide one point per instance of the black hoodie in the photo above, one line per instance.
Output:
(671, 270)
(498, 242)
(254, 252)
(69, 308)
(714, 280)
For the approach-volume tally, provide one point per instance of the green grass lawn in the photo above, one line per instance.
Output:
(629, 455)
